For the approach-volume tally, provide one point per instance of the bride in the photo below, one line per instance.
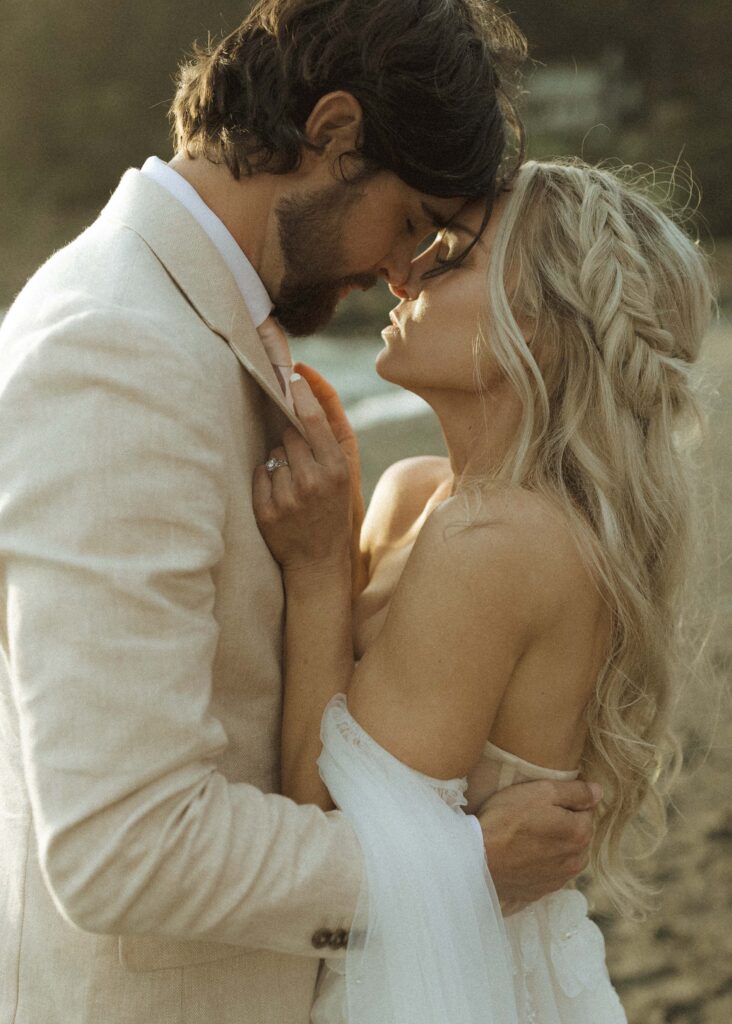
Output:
(516, 605)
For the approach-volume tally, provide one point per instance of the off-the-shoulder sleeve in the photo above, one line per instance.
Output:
(428, 944)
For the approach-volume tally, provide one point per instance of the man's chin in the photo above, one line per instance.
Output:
(301, 321)
(302, 312)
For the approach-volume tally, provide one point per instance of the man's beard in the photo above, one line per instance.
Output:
(310, 230)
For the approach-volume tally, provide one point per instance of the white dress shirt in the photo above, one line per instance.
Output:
(250, 284)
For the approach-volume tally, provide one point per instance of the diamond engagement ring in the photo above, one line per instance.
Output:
(274, 464)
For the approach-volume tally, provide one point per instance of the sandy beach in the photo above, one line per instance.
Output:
(676, 967)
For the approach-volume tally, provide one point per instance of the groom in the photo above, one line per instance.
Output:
(149, 872)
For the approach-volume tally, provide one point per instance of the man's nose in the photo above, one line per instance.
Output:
(410, 284)
(400, 291)
(397, 268)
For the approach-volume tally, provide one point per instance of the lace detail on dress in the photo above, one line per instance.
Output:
(451, 791)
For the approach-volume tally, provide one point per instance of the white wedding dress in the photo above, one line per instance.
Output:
(428, 943)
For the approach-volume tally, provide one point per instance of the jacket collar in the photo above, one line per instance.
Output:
(196, 266)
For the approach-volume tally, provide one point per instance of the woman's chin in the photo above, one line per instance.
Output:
(388, 369)
(385, 367)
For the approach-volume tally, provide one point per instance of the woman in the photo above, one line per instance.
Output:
(520, 616)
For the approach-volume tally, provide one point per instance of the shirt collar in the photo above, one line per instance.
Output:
(247, 279)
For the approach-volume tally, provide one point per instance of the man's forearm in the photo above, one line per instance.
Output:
(318, 664)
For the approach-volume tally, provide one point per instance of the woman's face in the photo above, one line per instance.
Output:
(429, 345)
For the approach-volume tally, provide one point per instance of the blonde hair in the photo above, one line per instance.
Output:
(619, 299)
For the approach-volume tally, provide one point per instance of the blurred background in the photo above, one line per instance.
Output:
(85, 88)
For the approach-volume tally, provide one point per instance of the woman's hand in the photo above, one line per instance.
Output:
(304, 509)
(344, 434)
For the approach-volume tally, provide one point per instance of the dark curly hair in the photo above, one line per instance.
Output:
(430, 75)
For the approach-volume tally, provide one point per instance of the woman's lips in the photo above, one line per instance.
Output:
(393, 327)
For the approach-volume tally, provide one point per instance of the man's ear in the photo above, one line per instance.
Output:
(335, 125)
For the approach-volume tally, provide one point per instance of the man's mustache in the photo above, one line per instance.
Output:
(363, 281)
(319, 286)
(303, 306)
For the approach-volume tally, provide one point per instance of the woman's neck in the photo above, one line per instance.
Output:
(478, 429)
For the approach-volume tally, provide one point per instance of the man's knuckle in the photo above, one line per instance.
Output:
(546, 790)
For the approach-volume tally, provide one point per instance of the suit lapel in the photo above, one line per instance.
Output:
(194, 263)
(245, 343)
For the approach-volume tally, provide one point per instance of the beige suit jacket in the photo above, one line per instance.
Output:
(148, 870)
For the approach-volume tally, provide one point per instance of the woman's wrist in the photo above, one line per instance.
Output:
(331, 572)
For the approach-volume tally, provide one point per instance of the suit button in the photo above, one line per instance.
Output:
(322, 938)
(339, 939)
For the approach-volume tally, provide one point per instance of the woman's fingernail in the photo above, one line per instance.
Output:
(596, 791)
(295, 377)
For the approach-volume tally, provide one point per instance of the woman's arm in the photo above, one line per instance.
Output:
(318, 664)
(305, 510)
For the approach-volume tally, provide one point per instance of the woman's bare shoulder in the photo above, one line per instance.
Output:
(399, 499)
(529, 532)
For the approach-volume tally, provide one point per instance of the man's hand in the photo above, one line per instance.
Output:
(537, 837)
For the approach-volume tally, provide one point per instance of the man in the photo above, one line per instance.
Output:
(150, 871)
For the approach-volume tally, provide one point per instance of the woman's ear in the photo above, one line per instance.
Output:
(335, 126)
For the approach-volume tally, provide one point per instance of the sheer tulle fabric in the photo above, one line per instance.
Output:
(433, 948)
(428, 943)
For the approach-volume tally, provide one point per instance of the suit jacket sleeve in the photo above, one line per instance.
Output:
(113, 500)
